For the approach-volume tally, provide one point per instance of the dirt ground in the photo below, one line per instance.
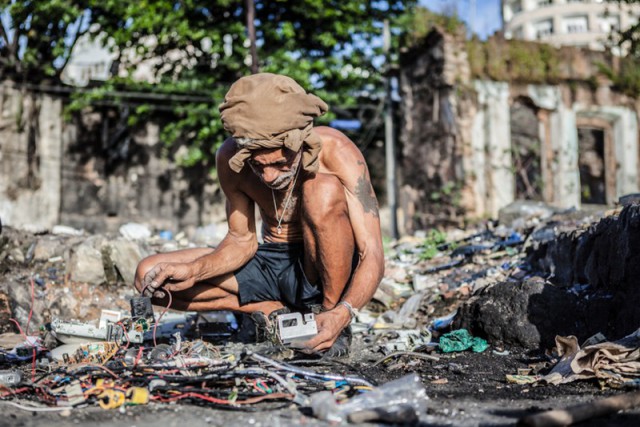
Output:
(464, 389)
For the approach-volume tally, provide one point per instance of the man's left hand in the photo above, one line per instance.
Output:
(330, 324)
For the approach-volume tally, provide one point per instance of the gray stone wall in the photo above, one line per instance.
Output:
(31, 157)
(92, 171)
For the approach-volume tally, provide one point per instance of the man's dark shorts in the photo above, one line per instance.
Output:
(275, 273)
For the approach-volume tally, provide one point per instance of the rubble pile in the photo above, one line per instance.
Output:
(579, 277)
(539, 279)
(147, 358)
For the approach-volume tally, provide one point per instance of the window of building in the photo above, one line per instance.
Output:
(575, 24)
(608, 23)
(518, 33)
(544, 3)
(544, 28)
(516, 7)
(576, 1)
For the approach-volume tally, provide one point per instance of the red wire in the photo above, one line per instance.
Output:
(155, 325)
(135, 363)
(221, 401)
(125, 334)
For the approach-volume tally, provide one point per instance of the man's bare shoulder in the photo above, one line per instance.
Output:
(226, 151)
(227, 177)
(337, 148)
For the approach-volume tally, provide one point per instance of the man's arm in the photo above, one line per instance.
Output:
(235, 250)
(348, 164)
(240, 243)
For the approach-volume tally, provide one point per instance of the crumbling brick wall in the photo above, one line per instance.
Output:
(461, 158)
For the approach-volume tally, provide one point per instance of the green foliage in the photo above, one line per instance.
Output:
(194, 49)
(37, 43)
(627, 78)
(629, 38)
(430, 245)
(513, 60)
(422, 21)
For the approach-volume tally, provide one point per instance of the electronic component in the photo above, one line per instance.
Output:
(10, 378)
(141, 308)
(296, 327)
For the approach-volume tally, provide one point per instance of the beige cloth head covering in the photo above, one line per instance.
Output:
(273, 111)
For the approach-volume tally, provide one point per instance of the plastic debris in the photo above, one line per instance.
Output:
(443, 322)
(461, 340)
(400, 401)
(614, 363)
(135, 231)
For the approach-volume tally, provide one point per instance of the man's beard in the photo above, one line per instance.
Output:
(284, 180)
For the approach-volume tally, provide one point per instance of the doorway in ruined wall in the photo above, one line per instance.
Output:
(591, 163)
(526, 150)
(596, 159)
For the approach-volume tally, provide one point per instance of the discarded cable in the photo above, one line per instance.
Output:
(307, 373)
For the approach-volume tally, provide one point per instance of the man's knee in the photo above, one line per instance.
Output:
(323, 199)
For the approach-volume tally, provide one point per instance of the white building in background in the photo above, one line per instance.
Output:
(89, 61)
(582, 23)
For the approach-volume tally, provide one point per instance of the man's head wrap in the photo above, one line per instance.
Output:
(272, 111)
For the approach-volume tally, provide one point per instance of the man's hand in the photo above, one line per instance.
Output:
(167, 275)
(330, 324)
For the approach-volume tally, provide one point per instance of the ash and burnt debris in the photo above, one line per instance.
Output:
(582, 282)
(536, 274)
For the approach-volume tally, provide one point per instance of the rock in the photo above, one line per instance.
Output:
(135, 231)
(123, 256)
(422, 282)
(5, 314)
(210, 235)
(521, 212)
(65, 230)
(34, 229)
(19, 293)
(16, 255)
(85, 263)
(528, 314)
(47, 247)
(629, 199)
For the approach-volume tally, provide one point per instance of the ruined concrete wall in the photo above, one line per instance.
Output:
(93, 171)
(30, 157)
(432, 148)
(461, 156)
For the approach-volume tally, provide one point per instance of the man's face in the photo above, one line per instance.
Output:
(276, 167)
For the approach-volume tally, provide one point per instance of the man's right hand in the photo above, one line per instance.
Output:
(170, 276)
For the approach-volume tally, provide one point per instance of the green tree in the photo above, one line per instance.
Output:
(194, 49)
(37, 37)
(199, 47)
(629, 38)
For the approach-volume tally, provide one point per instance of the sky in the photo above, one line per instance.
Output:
(484, 22)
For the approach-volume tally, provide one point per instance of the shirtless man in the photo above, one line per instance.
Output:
(321, 230)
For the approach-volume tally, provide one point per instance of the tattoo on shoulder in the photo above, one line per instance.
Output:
(364, 193)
